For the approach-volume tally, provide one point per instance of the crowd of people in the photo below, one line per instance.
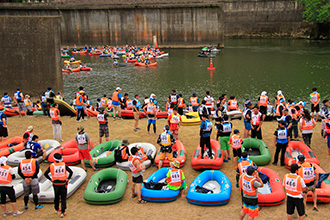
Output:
(291, 118)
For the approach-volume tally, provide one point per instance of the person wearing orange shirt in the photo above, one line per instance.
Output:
(306, 125)
(174, 121)
(294, 187)
(315, 98)
(54, 113)
(59, 178)
(181, 104)
(137, 176)
(194, 102)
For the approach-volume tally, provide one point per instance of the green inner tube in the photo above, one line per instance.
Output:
(258, 151)
(112, 180)
(103, 148)
(65, 56)
(38, 113)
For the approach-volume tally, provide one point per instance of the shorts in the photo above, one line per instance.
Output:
(165, 154)
(138, 179)
(250, 207)
(224, 143)
(291, 203)
(247, 126)
(84, 154)
(263, 110)
(32, 187)
(38, 154)
(315, 109)
(237, 152)
(103, 131)
(175, 133)
(7, 190)
(195, 108)
(152, 121)
(29, 108)
(116, 108)
(3, 131)
(21, 106)
(136, 115)
(310, 187)
(255, 133)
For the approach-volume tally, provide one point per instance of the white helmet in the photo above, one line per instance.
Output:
(118, 88)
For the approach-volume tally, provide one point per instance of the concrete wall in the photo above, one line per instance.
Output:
(30, 57)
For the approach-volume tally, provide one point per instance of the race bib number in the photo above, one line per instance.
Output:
(175, 119)
(281, 134)
(236, 142)
(59, 171)
(173, 98)
(291, 184)
(175, 176)
(208, 126)
(308, 173)
(150, 108)
(4, 174)
(247, 186)
(226, 127)
(100, 117)
(52, 113)
(243, 169)
(164, 138)
(263, 99)
(27, 168)
(81, 139)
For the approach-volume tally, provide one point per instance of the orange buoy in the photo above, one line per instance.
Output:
(211, 65)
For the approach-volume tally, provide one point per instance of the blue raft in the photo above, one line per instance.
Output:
(159, 195)
(213, 180)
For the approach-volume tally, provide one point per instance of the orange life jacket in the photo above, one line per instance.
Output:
(115, 97)
(5, 175)
(142, 155)
(77, 100)
(306, 171)
(315, 97)
(131, 161)
(129, 104)
(175, 178)
(292, 184)
(263, 101)
(256, 118)
(109, 104)
(278, 97)
(232, 104)
(194, 101)
(104, 102)
(246, 184)
(236, 141)
(58, 171)
(242, 166)
(327, 130)
(53, 112)
(307, 125)
(180, 102)
(278, 113)
(28, 167)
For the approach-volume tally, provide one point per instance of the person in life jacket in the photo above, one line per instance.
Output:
(218, 118)
(232, 104)
(174, 121)
(315, 98)
(38, 105)
(165, 141)
(205, 134)
(129, 104)
(35, 148)
(28, 103)
(327, 131)
(247, 112)
(325, 109)
(294, 186)
(287, 118)
(7, 175)
(122, 153)
(281, 141)
(209, 101)
(280, 109)
(306, 125)
(194, 102)
(249, 184)
(173, 98)
(175, 178)
(310, 176)
(236, 142)
(116, 103)
(27, 136)
(6, 101)
(104, 101)
(181, 104)
(28, 170)
(19, 99)
(44, 105)
(151, 109)
(225, 129)
(3, 125)
(279, 97)
(98, 104)
(263, 102)
(136, 111)
(59, 96)
(134, 165)
(243, 163)
(80, 103)
(60, 179)
(204, 110)
(256, 122)
(123, 101)
(55, 115)
(102, 118)
(294, 116)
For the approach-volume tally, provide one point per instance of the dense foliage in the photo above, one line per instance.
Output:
(316, 11)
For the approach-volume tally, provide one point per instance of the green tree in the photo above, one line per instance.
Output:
(316, 13)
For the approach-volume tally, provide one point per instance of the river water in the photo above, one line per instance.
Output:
(244, 68)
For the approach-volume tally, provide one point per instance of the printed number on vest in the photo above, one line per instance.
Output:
(247, 186)
(308, 173)
(3, 174)
(27, 168)
(175, 176)
(281, 134)
(81, 139)
(291, 184)
(59, 171)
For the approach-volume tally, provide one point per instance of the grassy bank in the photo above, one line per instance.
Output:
(180, 209)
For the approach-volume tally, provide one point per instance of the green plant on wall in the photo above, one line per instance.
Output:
(316, 11)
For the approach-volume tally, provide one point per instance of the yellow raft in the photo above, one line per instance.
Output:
(75, 62)
(191, 118)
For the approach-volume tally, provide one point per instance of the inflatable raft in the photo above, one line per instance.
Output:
(106, 187)
(272, 193)
(103, 154)
(38, 113)
(130, 61)
(65, 56)
(79, 52)
(215, 181)
(149, 150)
(191, 118)
(258, 151)
(158, 195)
(130, 114)
(237, 114)
(69, 152)
(206, 163)
(95, 53)
(85, 69)
(296, 148)
(323, 192)
(147, 65)
(46, 194)
(10, 146)
(14, 112)
(65, 108)
(49, 145)
(72, 70)
(18, 183)
(181, 155)
(74, 62)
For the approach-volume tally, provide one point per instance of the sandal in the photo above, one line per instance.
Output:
(134, 195)
(141, 201)
(315, 209)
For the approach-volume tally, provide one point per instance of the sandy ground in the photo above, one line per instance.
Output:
(179, 209)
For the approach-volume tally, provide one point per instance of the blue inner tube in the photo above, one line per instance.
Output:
(214, 199)
(158, 195)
